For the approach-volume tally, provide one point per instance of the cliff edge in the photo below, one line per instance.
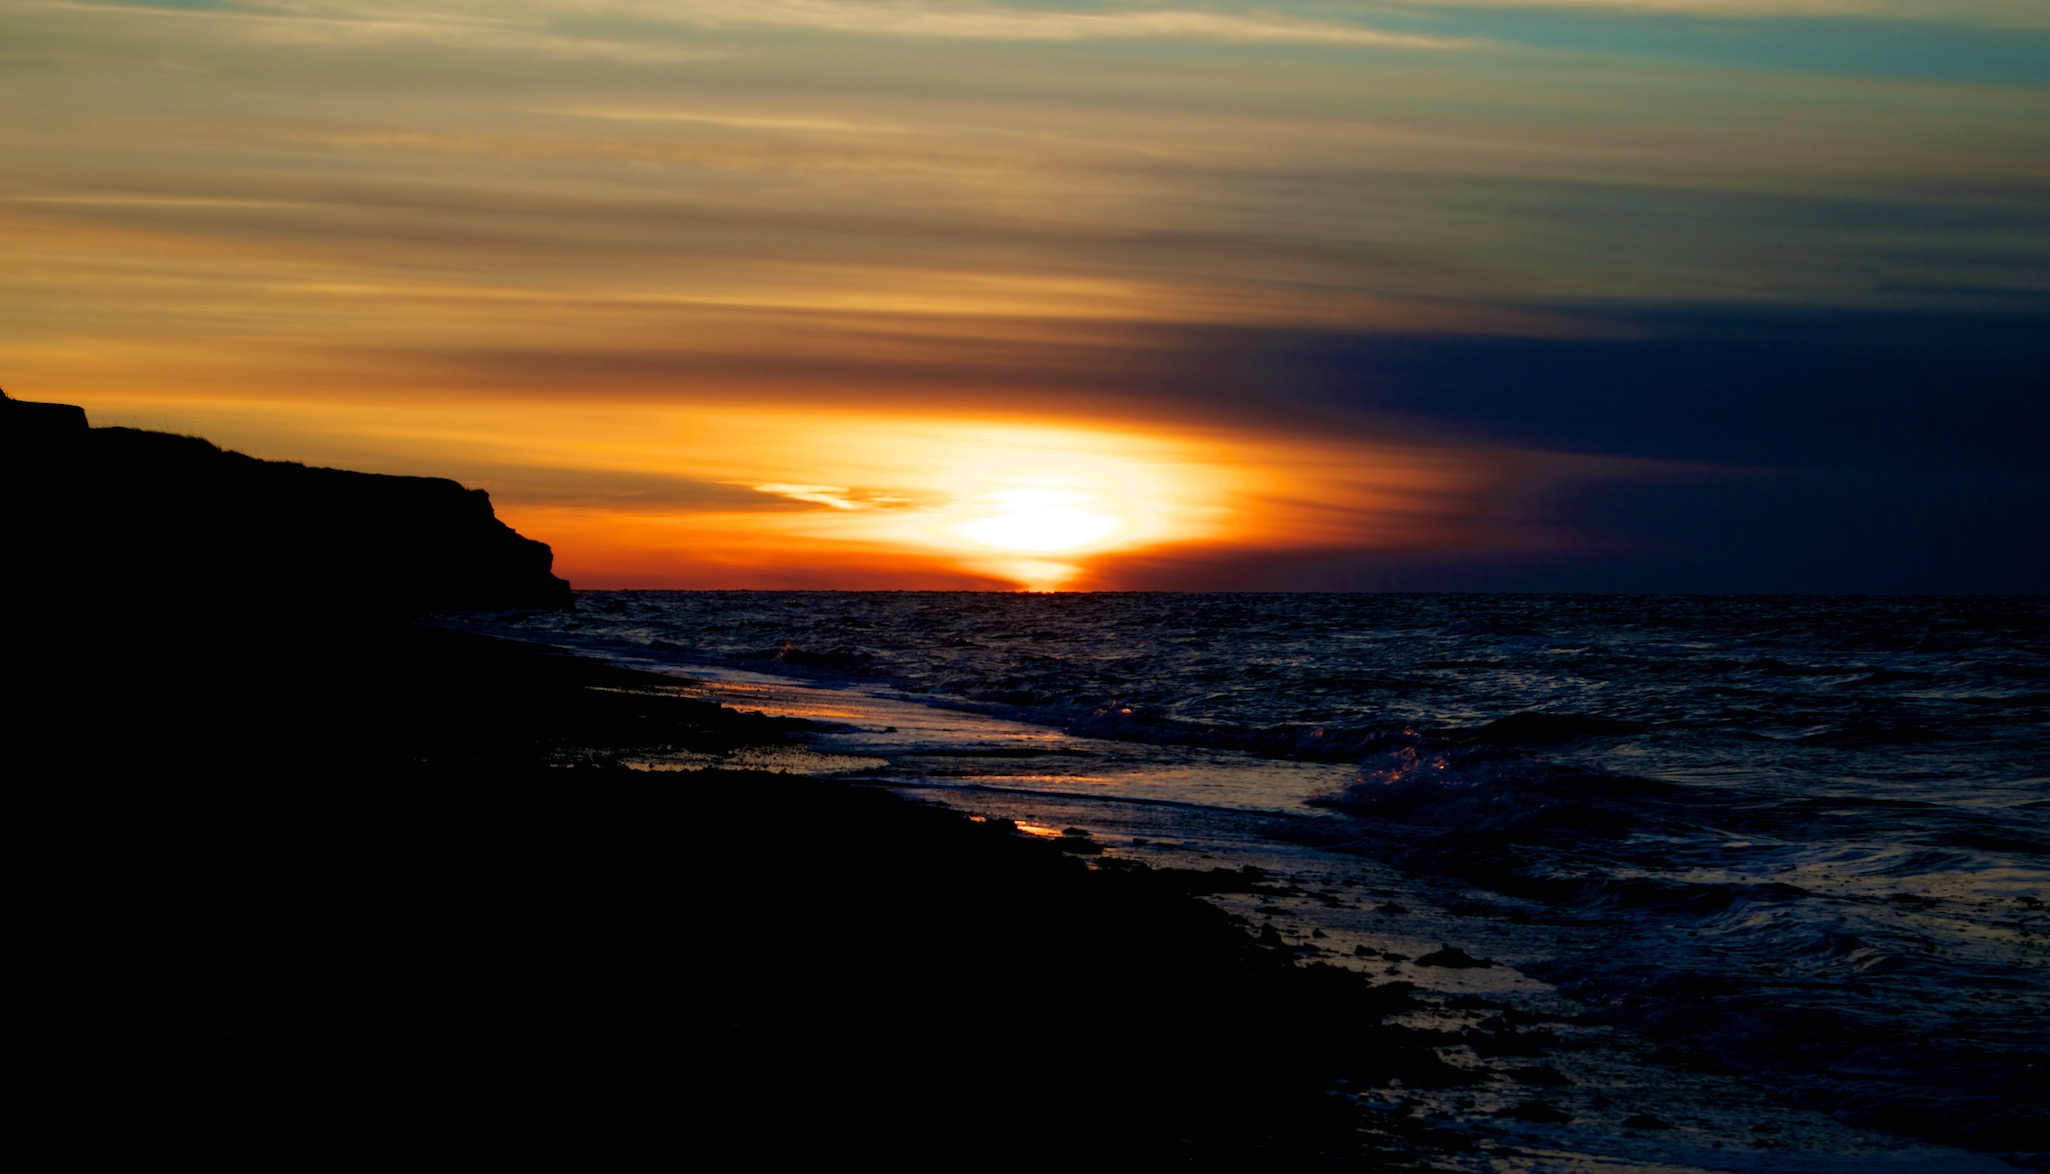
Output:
(135, 520)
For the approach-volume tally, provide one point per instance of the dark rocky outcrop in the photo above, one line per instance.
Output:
(122, 518)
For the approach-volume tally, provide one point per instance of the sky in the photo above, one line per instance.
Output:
(1552, 295)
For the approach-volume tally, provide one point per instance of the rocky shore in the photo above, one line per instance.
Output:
(421, 897)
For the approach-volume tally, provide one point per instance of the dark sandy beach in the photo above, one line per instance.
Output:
(391, 882)
(380, 887)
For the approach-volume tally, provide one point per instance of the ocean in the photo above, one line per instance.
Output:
(1766, 877)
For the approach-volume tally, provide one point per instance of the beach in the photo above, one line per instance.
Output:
(419, 878)
(1249, 584)
(387, 897)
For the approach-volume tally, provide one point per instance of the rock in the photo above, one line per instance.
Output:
(1454, 958)
(123, 518)
(25, 425)
(1536, 1113)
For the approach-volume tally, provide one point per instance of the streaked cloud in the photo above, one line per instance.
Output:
(738, 121)
(839, 497)
(503, 240)
(511, 25)
(1992, 13)
(999, 22)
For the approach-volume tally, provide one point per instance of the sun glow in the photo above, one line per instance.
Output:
(631, 496)
(1030, 502)
(1041, 521)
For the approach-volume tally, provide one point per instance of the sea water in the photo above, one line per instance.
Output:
(1801, 840)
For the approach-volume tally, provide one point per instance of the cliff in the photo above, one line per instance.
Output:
(149, 521)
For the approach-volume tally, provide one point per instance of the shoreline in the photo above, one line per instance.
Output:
(1330, 909)
(892, 976)
(370, 905)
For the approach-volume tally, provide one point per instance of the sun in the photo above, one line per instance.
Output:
(1040, 504)
(1041, 521)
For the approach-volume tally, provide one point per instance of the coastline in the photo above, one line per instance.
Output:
(412, 878)
(418, 884)
(1555, 1081)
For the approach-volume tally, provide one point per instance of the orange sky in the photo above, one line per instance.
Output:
(933, 501)
(935, 292)
(633, 495)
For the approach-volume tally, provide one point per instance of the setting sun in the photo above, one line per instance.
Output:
(977, 494)
(1041, 520)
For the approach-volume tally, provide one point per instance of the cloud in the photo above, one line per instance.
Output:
(1990, 13)
(736, 121)
(837, 497)
(486, 225)
(531, 26)
(996, 22)
(344, 25)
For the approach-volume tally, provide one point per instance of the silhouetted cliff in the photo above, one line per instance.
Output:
(133, 520)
